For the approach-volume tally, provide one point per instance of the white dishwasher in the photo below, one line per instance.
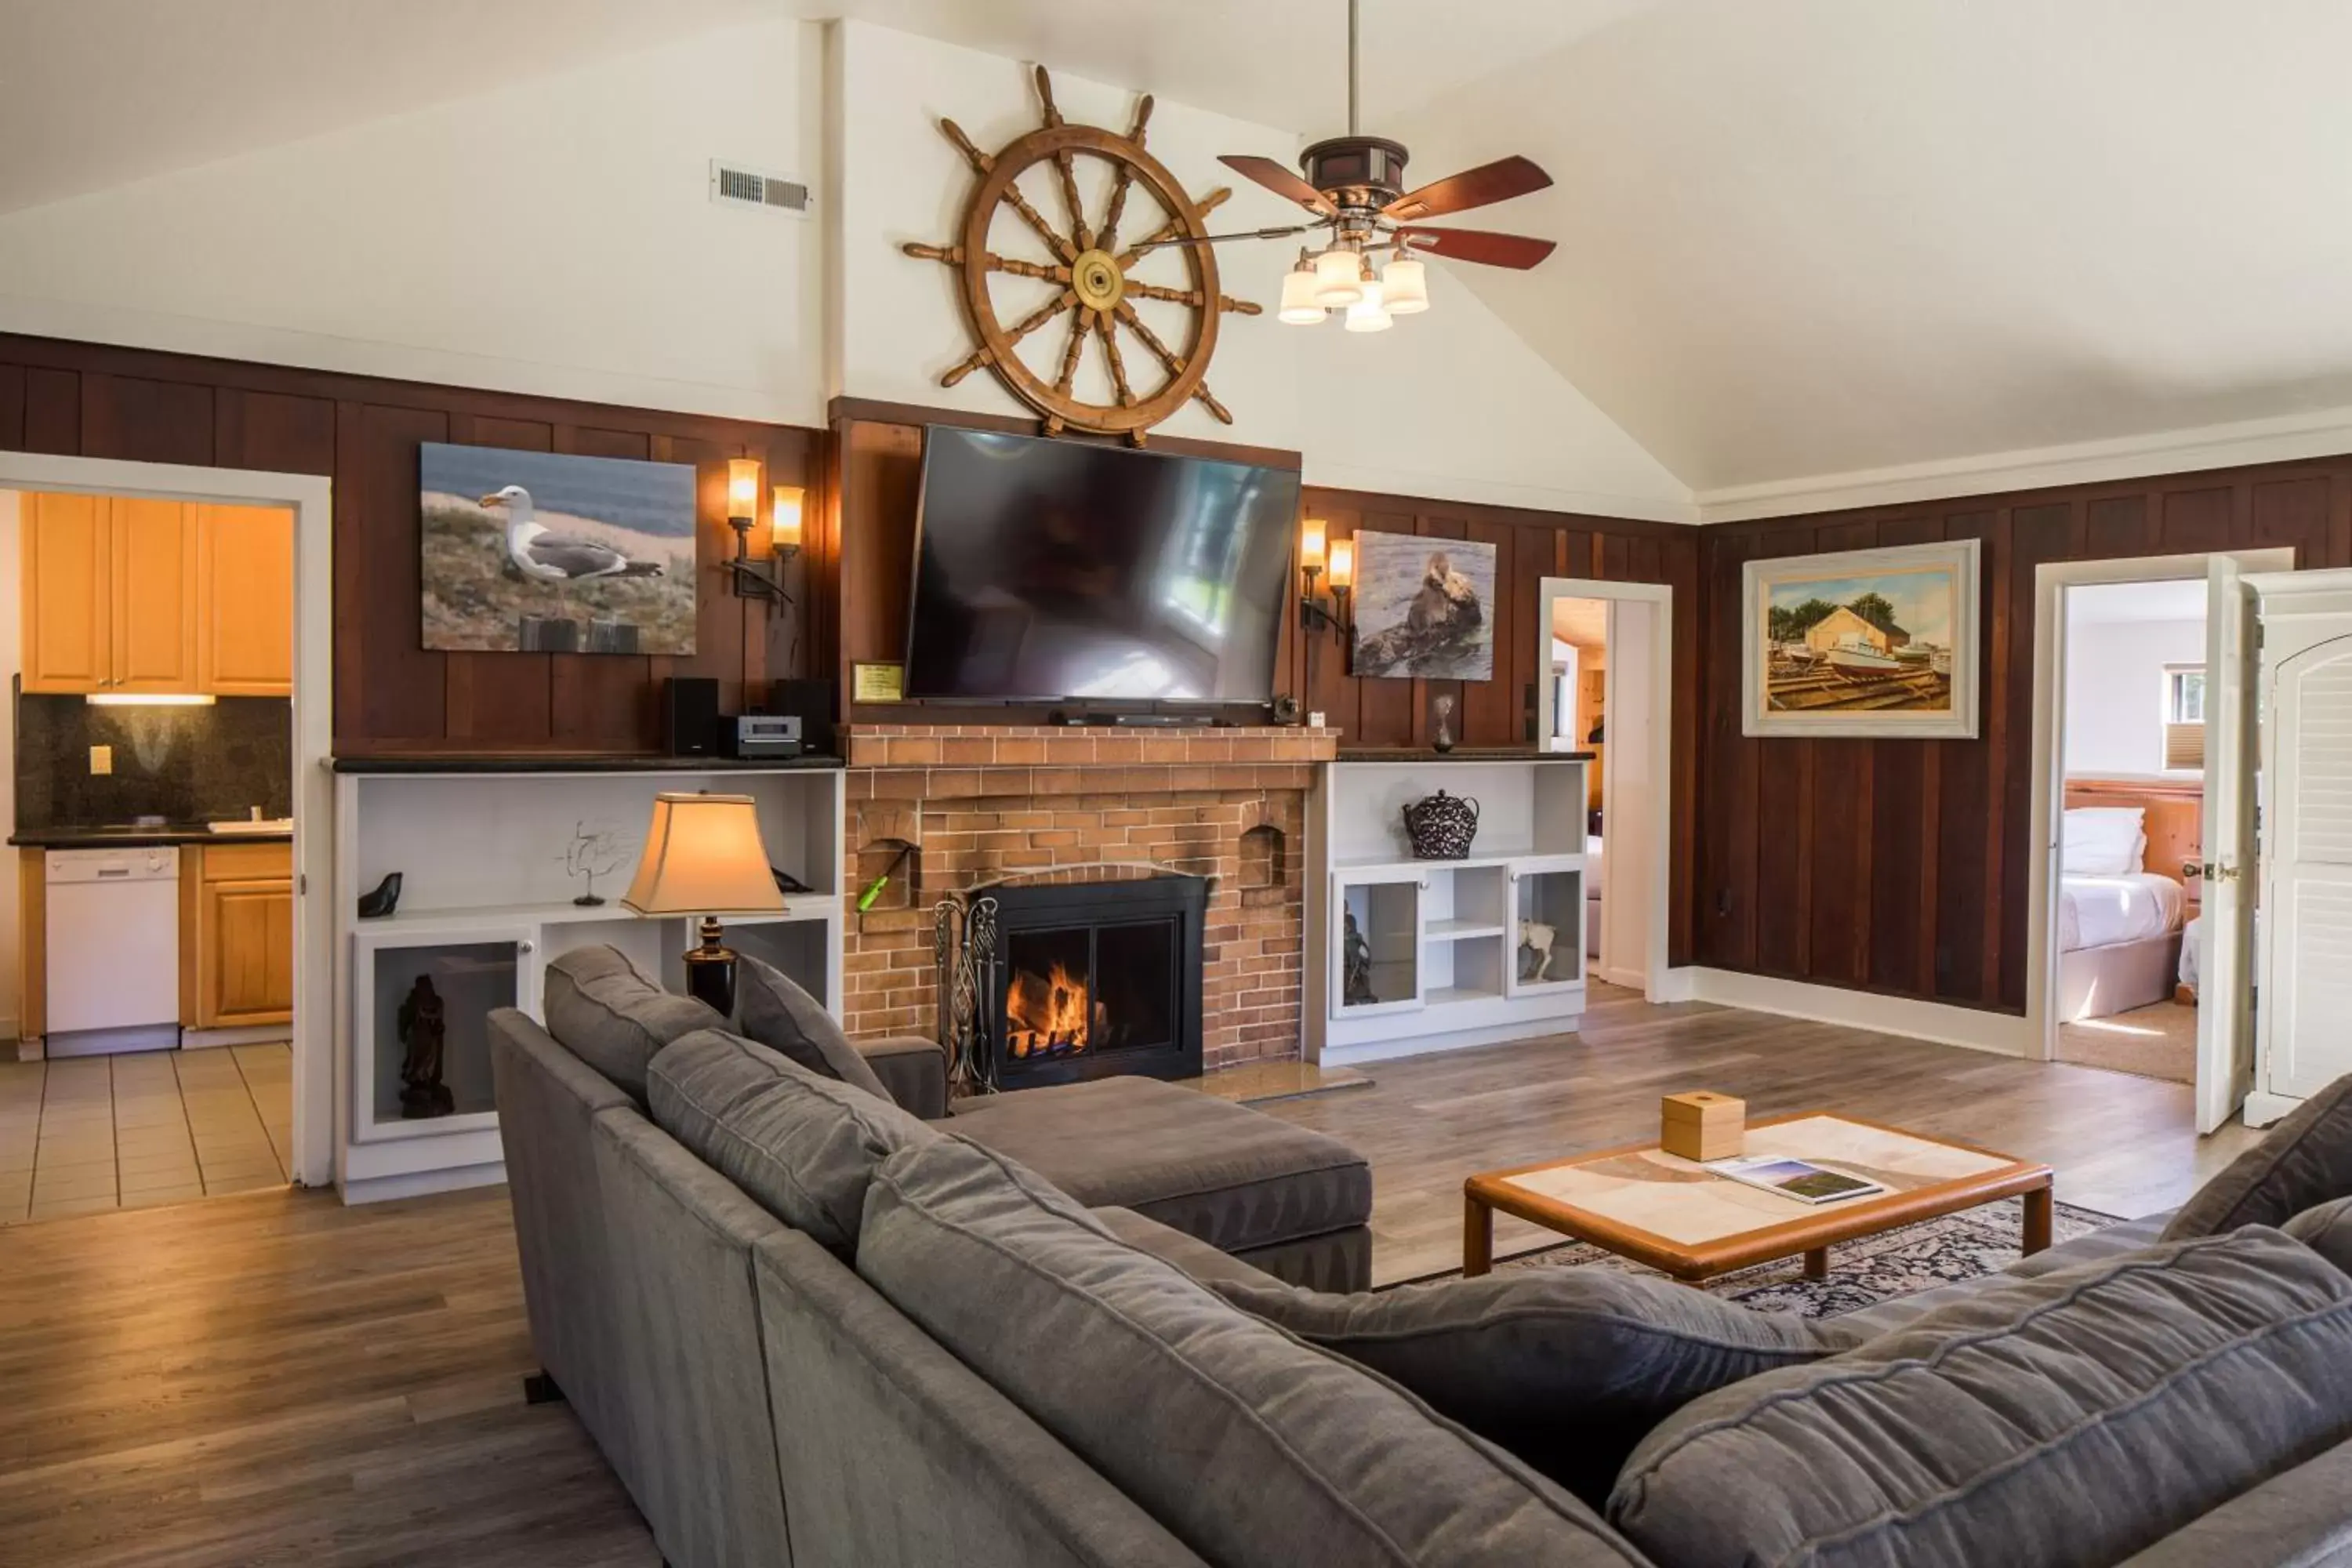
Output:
(113, 940)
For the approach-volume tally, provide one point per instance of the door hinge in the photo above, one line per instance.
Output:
(301, 883)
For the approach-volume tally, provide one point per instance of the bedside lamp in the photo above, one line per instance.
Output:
(703, 856)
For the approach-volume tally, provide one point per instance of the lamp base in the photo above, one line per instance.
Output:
(710, 972)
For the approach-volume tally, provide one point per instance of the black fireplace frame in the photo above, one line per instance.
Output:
(1094, 905)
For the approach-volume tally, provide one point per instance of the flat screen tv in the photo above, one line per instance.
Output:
(1061, 571)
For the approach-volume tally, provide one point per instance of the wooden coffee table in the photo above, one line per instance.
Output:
(1681, 1219)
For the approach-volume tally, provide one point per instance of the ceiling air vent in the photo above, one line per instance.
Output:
(733, 183)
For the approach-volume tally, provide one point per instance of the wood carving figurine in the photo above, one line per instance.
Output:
(1356, 966)
(423, 1033)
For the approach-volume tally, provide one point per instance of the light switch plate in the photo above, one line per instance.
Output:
(101, 759)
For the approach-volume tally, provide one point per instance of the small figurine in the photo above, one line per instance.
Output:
(596, 848)
(1356, 966)
(1535, 950)
(381, 899)
(424, 1032)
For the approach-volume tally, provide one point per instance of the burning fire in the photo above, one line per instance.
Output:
(1047, 1012)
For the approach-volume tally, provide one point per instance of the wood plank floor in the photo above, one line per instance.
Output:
(272, 1378)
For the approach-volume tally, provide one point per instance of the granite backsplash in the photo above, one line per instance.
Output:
(183, 764)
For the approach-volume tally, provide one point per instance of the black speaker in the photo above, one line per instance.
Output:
(690, 715)
(810, 701)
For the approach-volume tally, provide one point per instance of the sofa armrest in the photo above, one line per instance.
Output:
(914, 1070)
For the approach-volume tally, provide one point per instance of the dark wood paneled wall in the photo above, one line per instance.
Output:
(1901, 865)
(390, 695)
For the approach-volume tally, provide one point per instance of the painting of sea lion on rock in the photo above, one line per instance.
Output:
(1424, 607)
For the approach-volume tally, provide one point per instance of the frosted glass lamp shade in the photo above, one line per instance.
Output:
(1343, 564)
(784, 521)
(1367, 314)
(1310, 544)
(1339, 278)
(1404, 287)
(1300, 306)
(743, 488)
(703, 856)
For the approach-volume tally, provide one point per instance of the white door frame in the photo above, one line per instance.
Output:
(1661, 696)
(2050, 582)
(310, 498)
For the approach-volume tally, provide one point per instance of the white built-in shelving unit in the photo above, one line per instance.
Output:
(486, 899)
(1448, 964)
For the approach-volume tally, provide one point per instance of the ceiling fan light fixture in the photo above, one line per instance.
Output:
(1367, 314)
(1339, 278)
(1404, 287)
(1300, 306)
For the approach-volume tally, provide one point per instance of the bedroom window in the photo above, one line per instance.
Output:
(2184, 718)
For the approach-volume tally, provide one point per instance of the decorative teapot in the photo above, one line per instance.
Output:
(1442, 826)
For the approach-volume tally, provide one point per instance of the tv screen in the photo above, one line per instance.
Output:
(1057, 571)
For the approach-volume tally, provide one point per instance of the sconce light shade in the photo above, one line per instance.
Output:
(1339, 278)
(786, 526)
(1300, 308)
(743, 489)
(1310, 544)
(1367, 314)
(1404, 287)
(1342, 573)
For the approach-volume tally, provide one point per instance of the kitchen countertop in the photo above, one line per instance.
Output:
(134, 837)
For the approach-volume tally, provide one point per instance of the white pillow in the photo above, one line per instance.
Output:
(2104, 841)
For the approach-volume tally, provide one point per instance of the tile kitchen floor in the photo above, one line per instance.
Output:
(87, 1133)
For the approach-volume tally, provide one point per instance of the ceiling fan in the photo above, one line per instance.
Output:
(1355, 187)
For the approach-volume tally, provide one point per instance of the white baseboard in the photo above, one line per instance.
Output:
(418, 1183)
(2003, 1034)
(2261, 1109)
(1364, 1051)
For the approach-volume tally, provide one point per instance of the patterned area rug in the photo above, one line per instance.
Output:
(1862, 1273)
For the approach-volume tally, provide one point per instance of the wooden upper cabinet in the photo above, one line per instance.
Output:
(155, 562)
(69, 593)
(245, 601)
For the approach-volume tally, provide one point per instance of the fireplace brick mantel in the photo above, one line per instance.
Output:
(972, 805)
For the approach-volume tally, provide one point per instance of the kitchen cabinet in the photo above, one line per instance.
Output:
(129, 594)
(68, 593)
(245, 601)
(236, 935)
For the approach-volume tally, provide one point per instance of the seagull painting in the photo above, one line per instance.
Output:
(561, 559)
(556, 551)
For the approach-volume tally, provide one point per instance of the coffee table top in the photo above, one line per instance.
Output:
(1676, 1215)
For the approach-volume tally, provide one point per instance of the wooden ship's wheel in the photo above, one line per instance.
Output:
(1087, 274)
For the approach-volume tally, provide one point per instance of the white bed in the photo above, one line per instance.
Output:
(2119, 922)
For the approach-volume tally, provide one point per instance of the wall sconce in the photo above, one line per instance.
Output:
(1336, 561)
(760, 579)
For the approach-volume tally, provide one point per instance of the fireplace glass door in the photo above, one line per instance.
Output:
(1084, 990)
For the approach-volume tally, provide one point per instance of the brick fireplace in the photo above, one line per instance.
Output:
(1036, 807)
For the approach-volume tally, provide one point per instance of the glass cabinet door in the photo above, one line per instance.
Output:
(422, 999)
(1548, 932)
(1376, 945)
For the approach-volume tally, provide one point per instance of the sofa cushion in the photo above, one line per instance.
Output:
(1235, 1177)
(2326, 1230)
(1567, 1368)
(2069, 1419)
(773, 1009)
(2305, 1160)
(1258, 1449)
(804, 1146)
(2298, 1519)
(605, 1011)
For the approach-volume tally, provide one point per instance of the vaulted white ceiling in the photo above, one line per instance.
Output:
(1799, 237)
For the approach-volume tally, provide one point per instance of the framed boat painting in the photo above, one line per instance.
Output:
(1879, 644)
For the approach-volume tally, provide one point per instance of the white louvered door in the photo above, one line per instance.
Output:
(2306, 902)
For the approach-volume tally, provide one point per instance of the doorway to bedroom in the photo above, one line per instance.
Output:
(2130, 740)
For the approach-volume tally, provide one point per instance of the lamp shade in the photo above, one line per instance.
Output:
(1339, 278)
(1343, 564)
(742, 487)
(703, 856)
(1300, 308)
(787, 518)
(1367, 314)
(1404, 287)
(1310, 544)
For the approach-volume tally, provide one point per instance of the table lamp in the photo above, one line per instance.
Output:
(703, 857)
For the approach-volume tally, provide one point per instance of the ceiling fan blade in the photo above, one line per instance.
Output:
(1513, 250)
(1495, 182)
(1279, 180)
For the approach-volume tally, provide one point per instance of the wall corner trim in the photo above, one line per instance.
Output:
(2002, 1034)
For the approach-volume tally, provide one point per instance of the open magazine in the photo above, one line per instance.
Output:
(1797, 1179)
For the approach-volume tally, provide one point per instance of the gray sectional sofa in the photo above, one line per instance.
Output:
(809, 1328)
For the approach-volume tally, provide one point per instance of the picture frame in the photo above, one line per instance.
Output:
(1866, 644)
(1424, 608)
